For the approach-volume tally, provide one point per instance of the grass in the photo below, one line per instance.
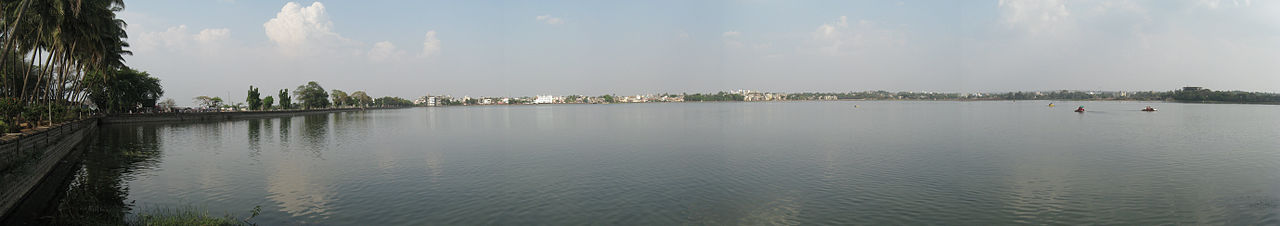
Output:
(187, 216)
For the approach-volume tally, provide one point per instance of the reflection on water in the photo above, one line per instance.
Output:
(885, 163)
(98, 190)
(285, 126)
(315, 129)
(255, 135)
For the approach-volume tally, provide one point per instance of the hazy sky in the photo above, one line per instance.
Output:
(522, 48)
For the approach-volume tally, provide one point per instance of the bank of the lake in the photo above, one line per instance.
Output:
(220, 116)
(36, 163)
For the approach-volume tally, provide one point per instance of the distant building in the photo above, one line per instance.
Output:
(544, 100)
(433, 101)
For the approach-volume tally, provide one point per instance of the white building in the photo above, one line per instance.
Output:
(433, 101)
(544, 100)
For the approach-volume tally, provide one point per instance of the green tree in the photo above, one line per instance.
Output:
(285, 103)
(253, 98)
(340, 98)
(266, 102)
(128, 90)
(361, 99)
(216, 102)
(392, 102)
(312, 95)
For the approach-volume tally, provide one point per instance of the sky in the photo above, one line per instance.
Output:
(525, 48)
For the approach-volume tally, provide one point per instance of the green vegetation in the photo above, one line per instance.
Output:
(1206, 95)
(254, 99)
(361, 99)
(63, 60)
(312, 95)
(721, 96)
(267, 101)
(392, 102)
(340, 98)
(189, 216)
(285, 103)
(126, 90)
(872, 95)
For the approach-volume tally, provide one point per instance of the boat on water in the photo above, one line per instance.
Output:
(1050, 104)
(1149, 109)
(1080, 109)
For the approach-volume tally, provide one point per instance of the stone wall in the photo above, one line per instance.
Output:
(26, 159)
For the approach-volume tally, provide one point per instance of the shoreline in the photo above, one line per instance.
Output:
(219, 116)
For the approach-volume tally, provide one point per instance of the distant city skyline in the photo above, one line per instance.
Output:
(519, 48)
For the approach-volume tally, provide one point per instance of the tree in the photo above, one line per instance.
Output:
(312, 95)
(266, 103)
(67, 42)
(339, 98)
(359, 98)
(168, 103)
(284, 99)
(203, 101)
(128, 90)
(216, 102)
(253, 98)
(392, 101)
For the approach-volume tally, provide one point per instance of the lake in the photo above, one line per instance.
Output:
(839, 162)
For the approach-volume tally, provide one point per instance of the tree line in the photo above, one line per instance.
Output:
(63, 60)
(720, 96)
(309, 96)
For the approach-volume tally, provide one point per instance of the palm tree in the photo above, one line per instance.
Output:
(64, 39)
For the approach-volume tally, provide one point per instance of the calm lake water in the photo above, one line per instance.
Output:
(881, 163)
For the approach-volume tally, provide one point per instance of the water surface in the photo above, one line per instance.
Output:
(878, 163)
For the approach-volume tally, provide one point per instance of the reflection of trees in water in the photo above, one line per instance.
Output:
(266, 124)
(315, 129)
(351, 125)
(286, 124)
(254, 137)
(97, 192)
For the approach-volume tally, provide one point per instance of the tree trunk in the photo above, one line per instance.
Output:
(8, 42)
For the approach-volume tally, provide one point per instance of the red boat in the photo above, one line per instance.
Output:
(1080, 109)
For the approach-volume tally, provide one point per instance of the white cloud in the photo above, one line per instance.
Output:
(177, 39)
(298, 30)
(1036, 17)
(1215, 4)
(210, 35)
(839, 38)
(550, 19)
(731, 39)
(431, 45)
(384, 51)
